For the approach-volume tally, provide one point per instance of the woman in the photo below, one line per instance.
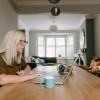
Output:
(13, 68)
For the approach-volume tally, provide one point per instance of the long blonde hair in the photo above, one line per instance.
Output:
(8, 47)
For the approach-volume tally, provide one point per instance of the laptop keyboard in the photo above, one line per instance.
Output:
(58, 79)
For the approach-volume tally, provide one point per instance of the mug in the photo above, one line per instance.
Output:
(49, 82)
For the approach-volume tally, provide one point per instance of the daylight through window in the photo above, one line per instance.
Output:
(56, 46)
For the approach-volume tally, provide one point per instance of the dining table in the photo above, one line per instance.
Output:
(80, 85)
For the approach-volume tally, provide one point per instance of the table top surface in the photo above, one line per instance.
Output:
(81, 85)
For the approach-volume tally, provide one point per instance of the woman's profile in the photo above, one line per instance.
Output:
(13, 68)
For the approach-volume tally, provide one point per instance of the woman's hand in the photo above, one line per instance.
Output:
(26, 71)
(35, 73)
(21, 72)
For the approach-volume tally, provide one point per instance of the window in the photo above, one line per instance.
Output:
(56, 46)
(60, 46)
(41, 46)
(69, 45)
(50, 46)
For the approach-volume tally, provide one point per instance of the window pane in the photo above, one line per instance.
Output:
(50, 41)
(69, 40)
(41, 51)
(50, 52)
(70, 52)
(60, 41)
(60, 51)
(40, 40)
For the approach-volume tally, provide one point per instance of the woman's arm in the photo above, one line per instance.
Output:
(6, 79)
(26, 71)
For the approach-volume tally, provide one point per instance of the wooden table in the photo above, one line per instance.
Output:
(81, 85)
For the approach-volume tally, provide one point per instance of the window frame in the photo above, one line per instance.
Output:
(55, 36)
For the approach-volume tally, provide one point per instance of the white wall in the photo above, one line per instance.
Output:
(27, 32)
(8, 18)
(33, 40)
(97, 35)
(32, 50)
(27, 39)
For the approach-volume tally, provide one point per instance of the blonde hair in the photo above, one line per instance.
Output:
(8, 47)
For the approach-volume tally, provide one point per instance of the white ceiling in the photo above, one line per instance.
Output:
(44, 21)
(36, 15)
(62, 2)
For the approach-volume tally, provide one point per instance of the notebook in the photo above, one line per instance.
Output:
(59, 79)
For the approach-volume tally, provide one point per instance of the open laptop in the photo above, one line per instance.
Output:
(59, 79)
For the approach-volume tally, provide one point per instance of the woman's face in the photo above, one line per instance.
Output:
(21, 45)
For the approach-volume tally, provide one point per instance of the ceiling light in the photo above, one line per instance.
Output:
(54, 1)
(53, 28)
(55, 11)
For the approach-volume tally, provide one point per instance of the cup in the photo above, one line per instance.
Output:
(49, 82)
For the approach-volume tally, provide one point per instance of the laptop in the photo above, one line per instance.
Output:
(59, 79)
